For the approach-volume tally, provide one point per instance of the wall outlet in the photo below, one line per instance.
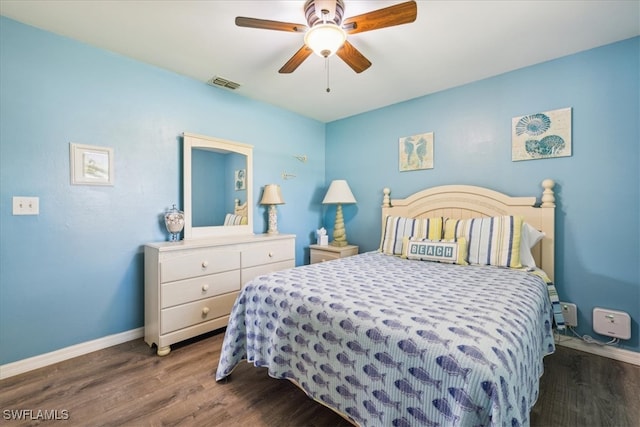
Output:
(570, 313)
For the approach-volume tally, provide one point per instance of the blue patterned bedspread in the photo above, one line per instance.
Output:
(386, 341)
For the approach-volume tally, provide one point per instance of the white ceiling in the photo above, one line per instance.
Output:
(451, 43)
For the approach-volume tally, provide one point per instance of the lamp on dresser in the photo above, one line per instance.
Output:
(272, 196)
(338, 194)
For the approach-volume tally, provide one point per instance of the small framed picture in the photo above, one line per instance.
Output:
(416, 152)
(241, 179)
(90, 165)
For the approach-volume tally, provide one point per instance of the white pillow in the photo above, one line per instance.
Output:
(528, 239)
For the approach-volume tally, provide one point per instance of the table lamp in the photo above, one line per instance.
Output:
(272, 196)
(338, 194)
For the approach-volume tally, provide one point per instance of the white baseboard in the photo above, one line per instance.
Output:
(609, 351)
(35, 362)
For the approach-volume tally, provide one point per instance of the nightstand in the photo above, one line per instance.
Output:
(322, 253)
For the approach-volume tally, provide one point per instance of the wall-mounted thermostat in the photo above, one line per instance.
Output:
(612, 323)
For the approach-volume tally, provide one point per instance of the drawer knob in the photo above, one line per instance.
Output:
(205, 311)
(205, 287)
(270, 254)
(205, 264)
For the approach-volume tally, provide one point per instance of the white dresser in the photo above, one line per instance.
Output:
(190, 286)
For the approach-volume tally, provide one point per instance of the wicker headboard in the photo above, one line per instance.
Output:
(467, 201)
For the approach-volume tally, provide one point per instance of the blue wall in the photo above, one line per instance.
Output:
(597, 189)
(75, 272)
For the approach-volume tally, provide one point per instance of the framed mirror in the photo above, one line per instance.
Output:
(217, 187)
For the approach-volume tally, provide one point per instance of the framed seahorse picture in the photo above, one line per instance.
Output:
(416, 152)
(541, 135)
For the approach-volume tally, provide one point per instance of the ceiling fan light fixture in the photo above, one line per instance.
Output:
(325, 39)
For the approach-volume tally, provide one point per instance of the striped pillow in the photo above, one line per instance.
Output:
(397, 227)
(231, 219)
(447, 251)
(490, 241)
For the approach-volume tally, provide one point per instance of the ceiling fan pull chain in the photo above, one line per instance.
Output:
(326, 61)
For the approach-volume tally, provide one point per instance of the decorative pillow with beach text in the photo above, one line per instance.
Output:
(447, 251)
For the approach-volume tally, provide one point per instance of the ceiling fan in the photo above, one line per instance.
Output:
(326, 32)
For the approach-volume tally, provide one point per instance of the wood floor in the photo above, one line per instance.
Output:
(127, 385)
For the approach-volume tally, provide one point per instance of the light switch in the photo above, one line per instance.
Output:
(26, 205)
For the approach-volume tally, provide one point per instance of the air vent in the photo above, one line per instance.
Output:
(220, 81)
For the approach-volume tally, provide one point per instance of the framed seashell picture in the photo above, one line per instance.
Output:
(541, 135)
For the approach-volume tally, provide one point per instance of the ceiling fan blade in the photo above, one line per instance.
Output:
(399, 14)
(352, 56)
(295, 61)
(266, 24)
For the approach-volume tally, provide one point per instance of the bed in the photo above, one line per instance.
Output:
(391, 338)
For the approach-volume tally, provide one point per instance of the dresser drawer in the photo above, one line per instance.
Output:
(181, 316)
(250, 273)
(322, 256)
(322, 253)
(183, 291)
(259, 254)
(200, 263)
